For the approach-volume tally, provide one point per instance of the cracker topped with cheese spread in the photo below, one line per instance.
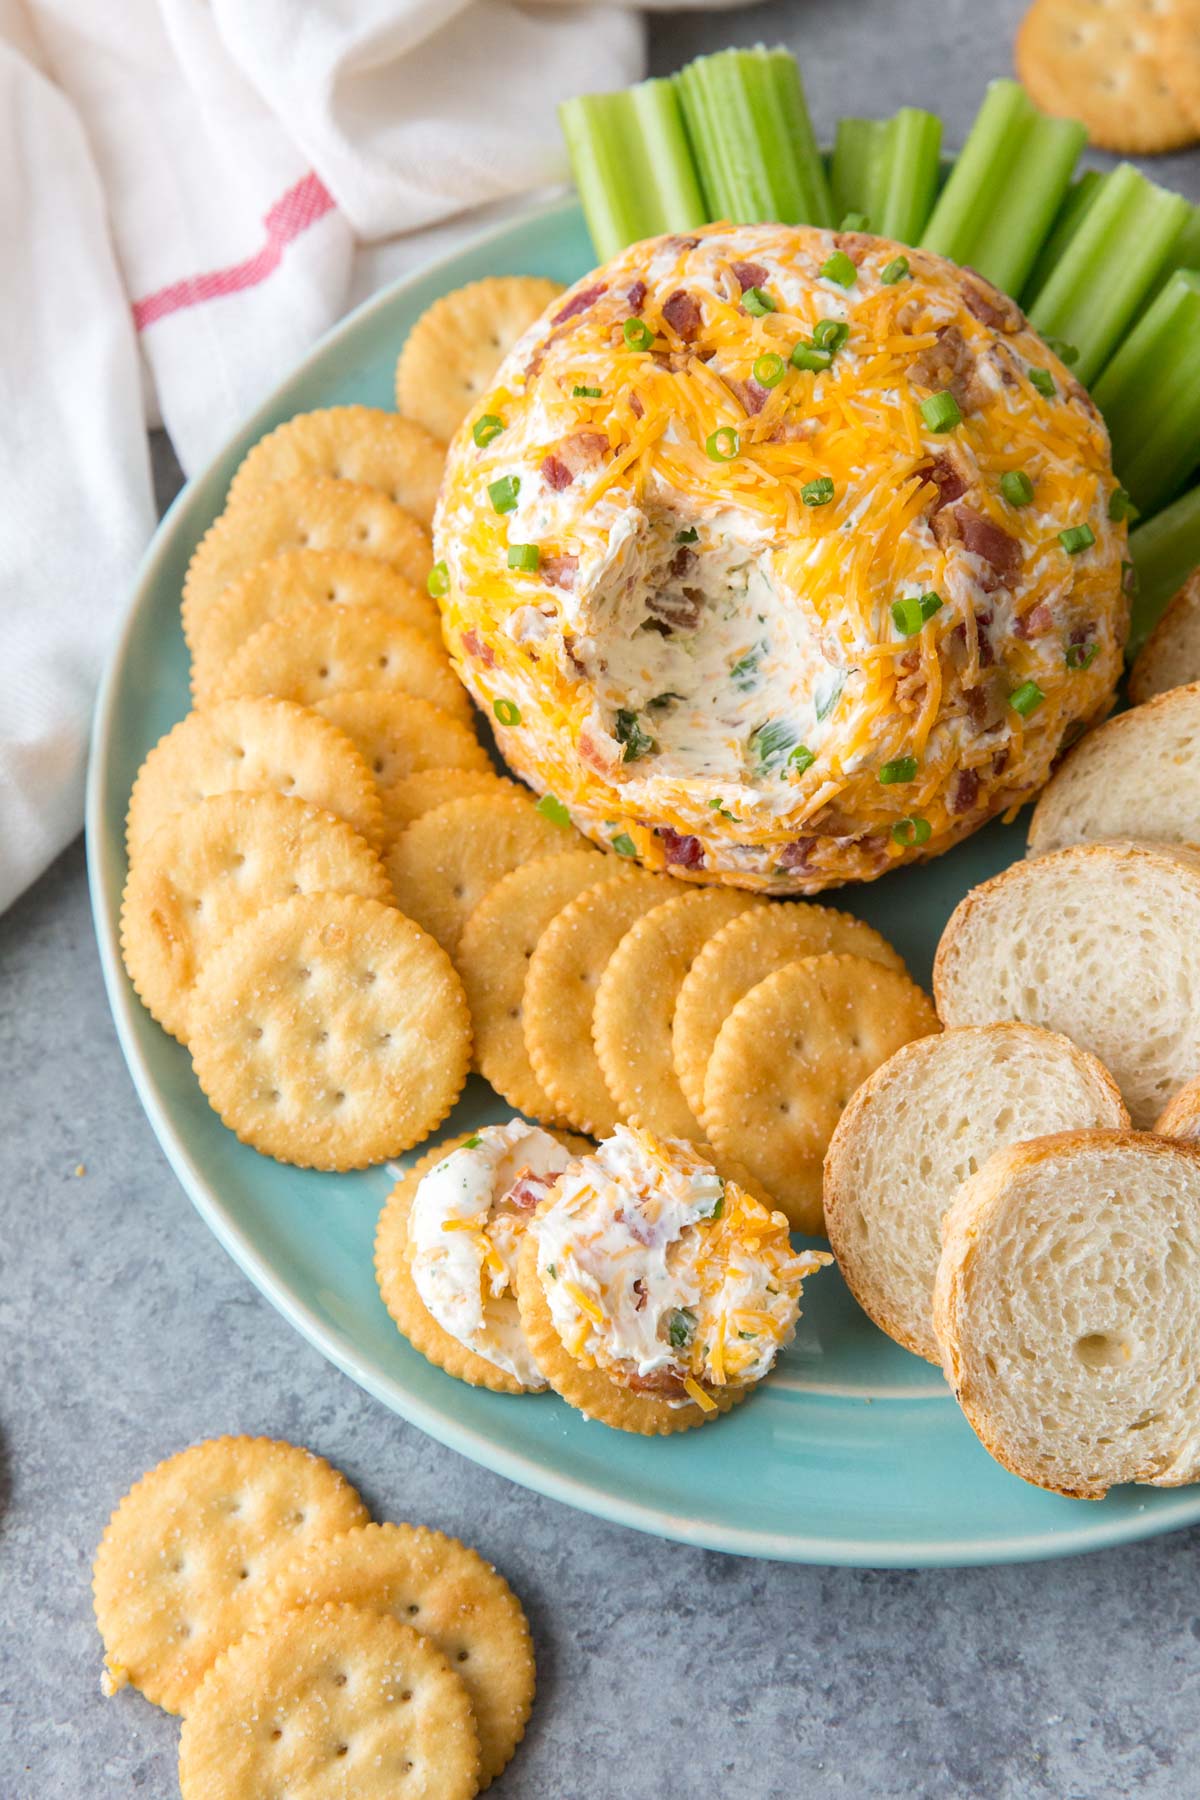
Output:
(782, 556)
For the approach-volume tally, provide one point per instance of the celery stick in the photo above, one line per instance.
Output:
(753, 139)
(632, 164)
(1005, 188)
(1185, 252)
(1071, 213)
(1164, 551)
(1150, 396)
(1109, 266)
(888, 169)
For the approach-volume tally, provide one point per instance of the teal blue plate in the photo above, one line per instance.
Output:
(854, 1451)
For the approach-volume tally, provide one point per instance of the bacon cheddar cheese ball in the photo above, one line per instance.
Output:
(650, 1287)
(782, 556)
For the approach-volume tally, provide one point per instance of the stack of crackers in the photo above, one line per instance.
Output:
(241, 1584)
(1129, 70)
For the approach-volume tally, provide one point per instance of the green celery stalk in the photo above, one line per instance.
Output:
(1150, 396)
(632, 164)
(1080, 196)
(1006, 187)
(753, 140)
(1164, 550)
(1185, 252)
(888, 169)
(1109, 266)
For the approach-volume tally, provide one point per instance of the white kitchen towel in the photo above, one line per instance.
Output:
(191, 191)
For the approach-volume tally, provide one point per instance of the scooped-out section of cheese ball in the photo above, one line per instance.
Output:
(783, 556)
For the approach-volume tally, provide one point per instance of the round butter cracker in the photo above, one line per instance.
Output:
(351, 443)
(412, 796)
(455, 348)
(331, 1702)
(330, 1032)
(187, 1553)
(448, 1593)
(217, 864)
(787, 1060)
(257, 746)
(1105, 65)
(400, 735)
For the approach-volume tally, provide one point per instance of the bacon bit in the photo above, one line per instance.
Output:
(982, 538)
(748, 274)
(579, 303)
(792, 431)
(853, 244)
(964, 791)
(528, 1190)
(637, 296)
(683, 243)
(949, 364)
(798, 854)
(681, 852)
(682, 561)
(594, 754)
(947, 478)
(474, 645)
(639, 1288)
(635, 406)
(558, 571)
(659, 1381)
(675, 612)
(752, 397)
(556, 474)
(987, 304)
(987, 702)
(584, 447)
(999, 762)
(682, 313)
(1037, 621)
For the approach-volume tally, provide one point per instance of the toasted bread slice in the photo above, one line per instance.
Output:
(918, 1127)
(1067, 1306)
(1180, 1118)
(1170, 657)
(1100, 941)
(1134, 776)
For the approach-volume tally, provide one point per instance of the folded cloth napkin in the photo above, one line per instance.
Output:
(191, 191)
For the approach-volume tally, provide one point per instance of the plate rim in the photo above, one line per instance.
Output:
(104, 886)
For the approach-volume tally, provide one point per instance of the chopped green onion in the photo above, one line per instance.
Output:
(681, 1328)
(637, 334)
(807, 356)
(552, 1271)
(1109, 267)
(471, 1143)
(772, 743)
(1066, 353)
(661, 700)
(830, 334)
(894, 271)
(1165, 550)
(757, 302)
(1043, 381)
(624, 845)
(503, 493)
(633, 165)
(487, 427)
(745, 670)
(723, 444)
(586, 393)
(826, 696)
(1005, 188)
(941, 412)
(802, 758)
(1016, 487)
(911, 831)
(1120, 506)
(754, 142)
(909, 615)
(719, 1209)
(886, 171)
(552, 808)
(1150, 396)
(1076, 538)
(718, 806)
(769, 370)
(1026, 698)
(818, 492)
(637, 743)
(525, 557)
(437, 582)
(690, 536)
(1082, 656)
(507, 711)
(839, 268)
(900, 769)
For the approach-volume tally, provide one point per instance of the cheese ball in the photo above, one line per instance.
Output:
(781, 557)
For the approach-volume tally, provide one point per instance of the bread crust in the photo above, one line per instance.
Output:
(1180, 1117)
(1175, 637)
(857, 1269)
(979, 1201)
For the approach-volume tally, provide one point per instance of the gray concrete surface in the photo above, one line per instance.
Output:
(126, 1332)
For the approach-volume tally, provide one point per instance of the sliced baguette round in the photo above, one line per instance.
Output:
(1170, 657)
(1180, 1118)
(914, 1131)
(1067, 1306)
(1100, 941)
(1134, 776)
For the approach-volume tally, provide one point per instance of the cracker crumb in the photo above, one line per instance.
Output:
(80, 1169)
